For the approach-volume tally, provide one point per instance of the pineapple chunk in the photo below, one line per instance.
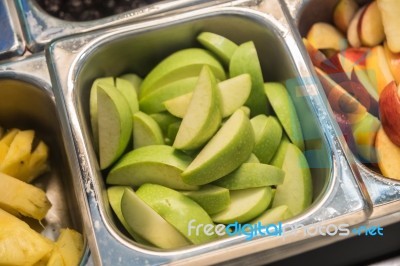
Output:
(9, 136)
(19, 244)
(68, 249)
(18, 154)
(36, 165)
(19, 197)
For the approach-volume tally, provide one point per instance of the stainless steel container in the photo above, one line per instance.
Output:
(40, 28)
(384, 192)
(74, 63)
(27, 102)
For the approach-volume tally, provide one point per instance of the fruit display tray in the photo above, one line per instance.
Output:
(27, 102)
(345, 191)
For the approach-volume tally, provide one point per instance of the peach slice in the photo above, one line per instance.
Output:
(389, 106)
(370, 27)
(378, 68)
(343, 13)
(325, 36)
(352, 31)
(390, 10)
(388, 155)
(394, 62)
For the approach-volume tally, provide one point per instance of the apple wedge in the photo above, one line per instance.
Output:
(325, 36)
(284, 108)
(203, 116)
(390, 10)
(212, 199)
(245, 60)
(181, 64)
(251, 175)
(128, 91)
(158, 164)
(389, 104)
(134, 79)
(146, 131)
(245, 205)
(219, 45)
(148, 224)
(378, 68)
(388, 155)
(343, 13)
(279, 155)
(178, 210)
(273, 216)
(393, 61)
(352, 32)
(296, 190)
(114, 124)
(172, 132)
(164, 119)
(370, 27)
(220, 157)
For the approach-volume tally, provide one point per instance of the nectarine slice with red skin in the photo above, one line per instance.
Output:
(388, 155)
(389, 108)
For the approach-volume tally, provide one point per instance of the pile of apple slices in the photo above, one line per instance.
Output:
(23, 158)
(191, 146)
(357, 60)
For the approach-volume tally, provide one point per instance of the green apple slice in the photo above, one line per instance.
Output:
(279, 155)
(220, 156)
(245, 60)
(146, 131)
(173, 131)
(268, 133)
(114, 194)
(178, 210)
(159, 164)
(252, 159)
(93, 109)
(164, 119)
(115, 124)
(128, 91)
(245, 205)
(154, 102)
(296, 190)
(148, 224)
(134, 79)
(213, 199)
(178, 106)
(219, 45)
(273, 216)
(286, 112)
(181, 64)
(203, 116)
(250, 175)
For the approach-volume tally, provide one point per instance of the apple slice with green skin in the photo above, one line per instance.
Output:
(252, 159)
(273, 216)
(134, 79)
(148, 224)
(128, 91)
(93, 108)
(296, 190)
(115, 124)
(246, 204)
(164, 119)
(212, 198)
(178, 210)
(203, 116)
(146, 131)
(268, 134)
(284, 108)
(173, 131)
(154, 102)
(251, 175)
(388, 155)
(343, 13)
(219, 45)
(115, 194)
(220, 157)
(181, 64)
(245, 60)
(178, 106)
(389, 104)
(364, 133)
(279, 155)
(159, 164)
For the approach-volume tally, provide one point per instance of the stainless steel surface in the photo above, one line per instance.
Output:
(384, 192)
(11, 40)
(75, 62)
(40, 28)
(27, 102)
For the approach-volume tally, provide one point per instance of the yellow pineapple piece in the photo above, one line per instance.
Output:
(3, 151)
(19, 244)
(9, 136)
(37, 164)
(68, 249)
(19, 197)
(18, 154)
